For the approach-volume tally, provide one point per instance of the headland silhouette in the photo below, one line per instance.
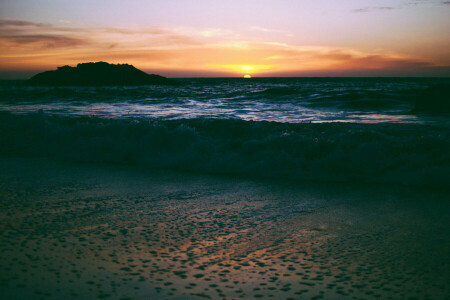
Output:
(98, 74)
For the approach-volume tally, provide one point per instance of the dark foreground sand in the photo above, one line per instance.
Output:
(93, 232)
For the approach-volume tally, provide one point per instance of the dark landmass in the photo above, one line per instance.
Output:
(98, 74)
(434, 99)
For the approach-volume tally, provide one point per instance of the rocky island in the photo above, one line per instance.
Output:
(98, 74)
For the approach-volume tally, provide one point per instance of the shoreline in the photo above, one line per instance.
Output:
(91, 231)
(406, 154)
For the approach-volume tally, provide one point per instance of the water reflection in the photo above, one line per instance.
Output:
(292, 100)
(247, 110)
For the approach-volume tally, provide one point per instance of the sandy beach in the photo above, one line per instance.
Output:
(91, 231)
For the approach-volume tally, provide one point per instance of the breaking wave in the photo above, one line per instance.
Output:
(411, 154)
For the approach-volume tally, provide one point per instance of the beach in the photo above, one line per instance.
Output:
(93, 231)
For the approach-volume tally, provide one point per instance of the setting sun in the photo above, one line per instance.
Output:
(247, 76)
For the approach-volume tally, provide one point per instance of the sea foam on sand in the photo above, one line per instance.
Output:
(91, 231)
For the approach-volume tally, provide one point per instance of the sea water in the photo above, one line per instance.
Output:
(319, 129)
(287, 100)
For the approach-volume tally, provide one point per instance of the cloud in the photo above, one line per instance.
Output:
(401, 5)
(31, 36)
(65, 21)
(274, 57)
(312, 58)
(176, 39)
(15, 34)
(429, 2)
(263, 29)
(214, 32)
(42, 41)
(247, 68)
(381, 62)
(20, 23)
(374, 8)
(417, 2)
(270, 31)
(332, 61)
(132, 31)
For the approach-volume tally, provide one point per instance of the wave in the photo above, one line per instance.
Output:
(277, 91)
(410, 154)
(21, 94)
(347, 94)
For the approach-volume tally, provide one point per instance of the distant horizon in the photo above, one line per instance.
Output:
(269, 77)
(25, 75)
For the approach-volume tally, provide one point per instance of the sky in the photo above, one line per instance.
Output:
(215, 38)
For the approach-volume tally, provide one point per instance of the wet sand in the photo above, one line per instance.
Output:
(110, 232)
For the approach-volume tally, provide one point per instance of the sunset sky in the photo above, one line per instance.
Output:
(190, 38)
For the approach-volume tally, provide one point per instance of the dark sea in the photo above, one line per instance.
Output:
(314, 129)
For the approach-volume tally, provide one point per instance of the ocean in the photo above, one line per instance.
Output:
(284, 188)
(317, 129)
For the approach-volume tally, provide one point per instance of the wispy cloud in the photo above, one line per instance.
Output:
(263, 29)
(270, 30)
(65, 21)
(17, 33)
(244, 68)
(368, 9)
(417, 2)
(314, 58)
(42, 41)
(20, 23)
(399, 6)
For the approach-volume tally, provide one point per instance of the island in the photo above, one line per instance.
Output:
(98, 74)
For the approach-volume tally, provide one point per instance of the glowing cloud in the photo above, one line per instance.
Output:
(245, 68)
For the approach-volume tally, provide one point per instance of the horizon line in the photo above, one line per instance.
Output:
(271, 77)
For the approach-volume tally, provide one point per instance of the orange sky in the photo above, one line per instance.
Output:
(207, 38)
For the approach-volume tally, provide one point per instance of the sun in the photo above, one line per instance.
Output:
(247, 76)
